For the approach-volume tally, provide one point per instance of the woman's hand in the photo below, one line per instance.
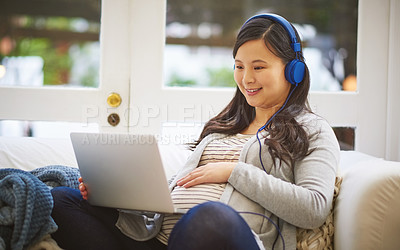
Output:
(218, 172)
(83, 189)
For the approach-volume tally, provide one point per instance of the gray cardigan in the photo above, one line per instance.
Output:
(300, 198)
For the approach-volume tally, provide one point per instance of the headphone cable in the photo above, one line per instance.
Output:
(268, 122)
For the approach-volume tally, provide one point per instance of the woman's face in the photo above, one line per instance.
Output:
(260, 76)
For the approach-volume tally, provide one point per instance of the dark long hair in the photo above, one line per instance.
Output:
(288, 141)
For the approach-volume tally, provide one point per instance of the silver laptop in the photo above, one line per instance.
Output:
(123, 171)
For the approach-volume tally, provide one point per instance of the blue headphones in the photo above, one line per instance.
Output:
(294, 70)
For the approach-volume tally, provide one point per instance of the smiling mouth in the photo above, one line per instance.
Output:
(251, 91)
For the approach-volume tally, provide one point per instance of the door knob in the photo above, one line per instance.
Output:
(114, 100)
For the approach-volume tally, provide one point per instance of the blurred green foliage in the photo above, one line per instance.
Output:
(57, 62)
(221, 77)
(55, 54)
(178, 81)
(218, 77)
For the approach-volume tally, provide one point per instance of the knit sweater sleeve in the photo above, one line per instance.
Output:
(304, 199)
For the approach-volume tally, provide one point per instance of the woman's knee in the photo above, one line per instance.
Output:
(211, 224)
(65, 196)
(209, 217)
(220, 213)
(213, 206)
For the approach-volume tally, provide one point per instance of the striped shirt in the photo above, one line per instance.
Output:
(222, 150)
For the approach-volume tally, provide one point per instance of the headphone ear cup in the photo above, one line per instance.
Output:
(294, 71)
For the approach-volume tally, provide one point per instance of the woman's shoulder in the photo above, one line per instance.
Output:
(307, 116)
(313, 122)
(321, 134)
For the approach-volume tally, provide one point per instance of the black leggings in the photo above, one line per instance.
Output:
(82, 226)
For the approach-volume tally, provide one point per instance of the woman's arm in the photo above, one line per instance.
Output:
(304, 199)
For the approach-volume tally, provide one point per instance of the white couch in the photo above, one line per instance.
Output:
(366, 212)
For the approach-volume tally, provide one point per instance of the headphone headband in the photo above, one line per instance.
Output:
(285, 24)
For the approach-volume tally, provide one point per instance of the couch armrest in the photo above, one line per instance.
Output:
(367, 211)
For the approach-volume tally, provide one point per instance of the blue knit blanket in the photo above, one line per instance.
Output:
(26, 203)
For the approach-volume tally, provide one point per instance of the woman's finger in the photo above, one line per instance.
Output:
(189, 177)
(194, 182)
(184, 180)
(84, 195)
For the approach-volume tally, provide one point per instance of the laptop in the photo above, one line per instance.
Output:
(123, 171)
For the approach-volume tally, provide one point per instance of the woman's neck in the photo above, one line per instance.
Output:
(261, 118)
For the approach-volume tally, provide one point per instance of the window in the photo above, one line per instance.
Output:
(200, 36)
(56, 43)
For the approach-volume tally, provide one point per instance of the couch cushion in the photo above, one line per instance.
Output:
(28, 153)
